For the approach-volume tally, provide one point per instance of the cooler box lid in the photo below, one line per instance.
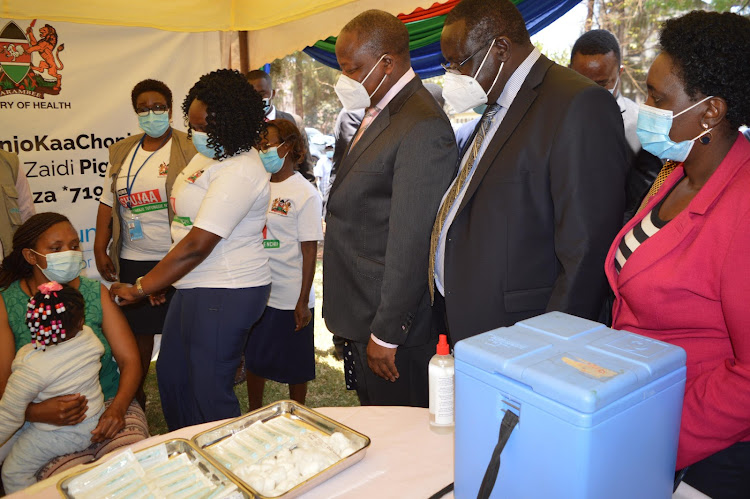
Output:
(576, 362)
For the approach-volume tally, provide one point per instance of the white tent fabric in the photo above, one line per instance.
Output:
(266, 45)
(275, 28)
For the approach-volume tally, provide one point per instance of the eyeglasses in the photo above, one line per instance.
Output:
(455, 68)
(157, 109)
(265, 147)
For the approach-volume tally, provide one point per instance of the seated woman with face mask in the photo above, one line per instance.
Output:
(680, 269)
(46, 248)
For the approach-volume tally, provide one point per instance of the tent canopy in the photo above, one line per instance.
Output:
(275, 28)
(426, 25)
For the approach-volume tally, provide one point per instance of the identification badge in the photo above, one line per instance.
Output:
(135, 229)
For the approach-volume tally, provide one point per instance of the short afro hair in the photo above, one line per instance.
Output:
(490, 18)
(151, 86)
(235, 117)
(710, 57)
(259, 74)
(596, 42)
(380, 33)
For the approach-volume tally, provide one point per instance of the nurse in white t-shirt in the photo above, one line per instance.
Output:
(281, 346)
(217, 262)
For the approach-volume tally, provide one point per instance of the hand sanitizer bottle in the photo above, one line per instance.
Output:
(442, 387)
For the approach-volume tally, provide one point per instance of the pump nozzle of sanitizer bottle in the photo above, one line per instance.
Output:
(441, 375)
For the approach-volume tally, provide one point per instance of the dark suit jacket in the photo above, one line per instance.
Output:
(644, 168)
(545, 202)
(380, 213)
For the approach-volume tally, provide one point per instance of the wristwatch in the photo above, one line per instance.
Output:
(139, 287)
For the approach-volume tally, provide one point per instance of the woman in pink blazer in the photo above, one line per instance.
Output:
(680, 269)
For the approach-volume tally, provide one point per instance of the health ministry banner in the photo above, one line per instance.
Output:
(65, 98)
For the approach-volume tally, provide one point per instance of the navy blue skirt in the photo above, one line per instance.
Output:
(277, 352)
(143, 318)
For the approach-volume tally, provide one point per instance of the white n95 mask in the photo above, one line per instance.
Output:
(463, 92)
(352, 93)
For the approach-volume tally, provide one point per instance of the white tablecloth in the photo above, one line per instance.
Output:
(405, 459)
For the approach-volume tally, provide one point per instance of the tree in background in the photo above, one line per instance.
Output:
(636, 24)
(305, 87)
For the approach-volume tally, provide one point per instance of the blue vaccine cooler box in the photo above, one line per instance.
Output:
(598, 411)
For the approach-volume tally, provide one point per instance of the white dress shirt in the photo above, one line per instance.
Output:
(629, 110)
(505, 101)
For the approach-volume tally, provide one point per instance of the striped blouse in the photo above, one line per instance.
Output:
(650, 225)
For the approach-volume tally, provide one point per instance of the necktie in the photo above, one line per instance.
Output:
(453, 192)
(370, 115)
(668, 168)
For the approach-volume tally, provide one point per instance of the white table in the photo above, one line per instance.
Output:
(405, 459)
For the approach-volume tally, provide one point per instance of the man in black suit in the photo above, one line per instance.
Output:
(596, 55)
(526, 226)
(381, 208)
(262, 83)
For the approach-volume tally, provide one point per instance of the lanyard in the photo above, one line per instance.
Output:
(129, 185)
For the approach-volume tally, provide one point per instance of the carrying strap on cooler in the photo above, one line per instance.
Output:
(510, 420)
(442, 492)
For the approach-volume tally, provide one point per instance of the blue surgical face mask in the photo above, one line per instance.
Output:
(200, 141)
(329, 154)
(653, 129)
(266, 106)
(272, 162)
(63, 266)
(154, 124)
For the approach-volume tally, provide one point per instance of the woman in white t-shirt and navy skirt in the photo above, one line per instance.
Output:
(217, 262)
(281, 346)
(134, 214)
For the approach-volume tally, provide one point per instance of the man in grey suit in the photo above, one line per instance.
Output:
(381, 208)
(540, 191)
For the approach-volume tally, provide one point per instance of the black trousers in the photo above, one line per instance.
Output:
(724, 475)
(410, 389)
(439, 317)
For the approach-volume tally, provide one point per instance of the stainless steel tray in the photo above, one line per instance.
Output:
(211, 470)
(298, 412)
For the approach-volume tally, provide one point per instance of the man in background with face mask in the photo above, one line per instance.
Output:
(596, 55)
(380, 212)
(525, 227)
(261, 82)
